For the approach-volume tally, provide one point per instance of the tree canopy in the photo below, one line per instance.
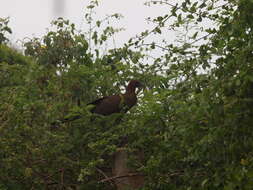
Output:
(193, 123)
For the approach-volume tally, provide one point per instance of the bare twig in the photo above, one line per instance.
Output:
(62, 177)
(106, 177)
(155, 45)
(122, 176)
(163, 2)
(200, 38)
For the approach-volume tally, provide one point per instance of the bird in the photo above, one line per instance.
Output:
(120, 103)
(108, 105)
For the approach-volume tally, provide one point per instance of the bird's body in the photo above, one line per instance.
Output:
(117, 103)
(106, 105)
(111, 104)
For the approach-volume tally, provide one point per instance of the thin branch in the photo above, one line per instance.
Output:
(158, 46)
(200, 38)
(122, 176)
(162, 2)
(62, 177)
(221, 6)
(106, 177)
(151, 31)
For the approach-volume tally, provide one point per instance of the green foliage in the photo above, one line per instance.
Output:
(193, 123)
(4, 28)
(204, 121)
(11, 57)
(63, 42)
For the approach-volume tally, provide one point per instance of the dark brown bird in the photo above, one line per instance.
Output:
(111, 104)
(117, 103)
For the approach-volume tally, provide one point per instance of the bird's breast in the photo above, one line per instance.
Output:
(130, 99)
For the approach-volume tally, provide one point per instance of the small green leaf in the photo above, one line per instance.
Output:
(159, 19)
(204, 182)
(190, 16)
(152, 45)
(98, 23)
(238, 82)
(158, 30)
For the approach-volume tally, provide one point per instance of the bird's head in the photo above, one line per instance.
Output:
(133, 84)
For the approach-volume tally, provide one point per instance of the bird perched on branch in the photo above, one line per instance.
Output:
(112, 104)
(117, 103)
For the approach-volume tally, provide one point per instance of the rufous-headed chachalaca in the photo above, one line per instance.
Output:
(112, 104)
(117, 103)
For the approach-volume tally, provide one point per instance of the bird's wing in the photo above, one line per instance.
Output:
(98, 101)
(107, 105)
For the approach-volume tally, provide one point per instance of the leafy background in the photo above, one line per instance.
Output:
(193, 124)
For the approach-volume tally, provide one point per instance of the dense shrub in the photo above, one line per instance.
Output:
(193, 124)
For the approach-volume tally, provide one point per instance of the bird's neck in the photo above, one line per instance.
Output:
(130, 90)
(130, 97)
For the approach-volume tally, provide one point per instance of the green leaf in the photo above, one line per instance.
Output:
(238, 82)
(152, 45)
(158, 30)
(98, 23)
(190, 16)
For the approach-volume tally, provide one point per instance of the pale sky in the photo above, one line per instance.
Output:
(30, 18)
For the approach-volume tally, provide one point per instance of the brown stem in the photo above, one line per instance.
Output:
(122, 176)
(62, 177)
(106, 177)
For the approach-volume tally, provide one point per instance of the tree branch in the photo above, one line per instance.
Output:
(122, 176)
(106, 177)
